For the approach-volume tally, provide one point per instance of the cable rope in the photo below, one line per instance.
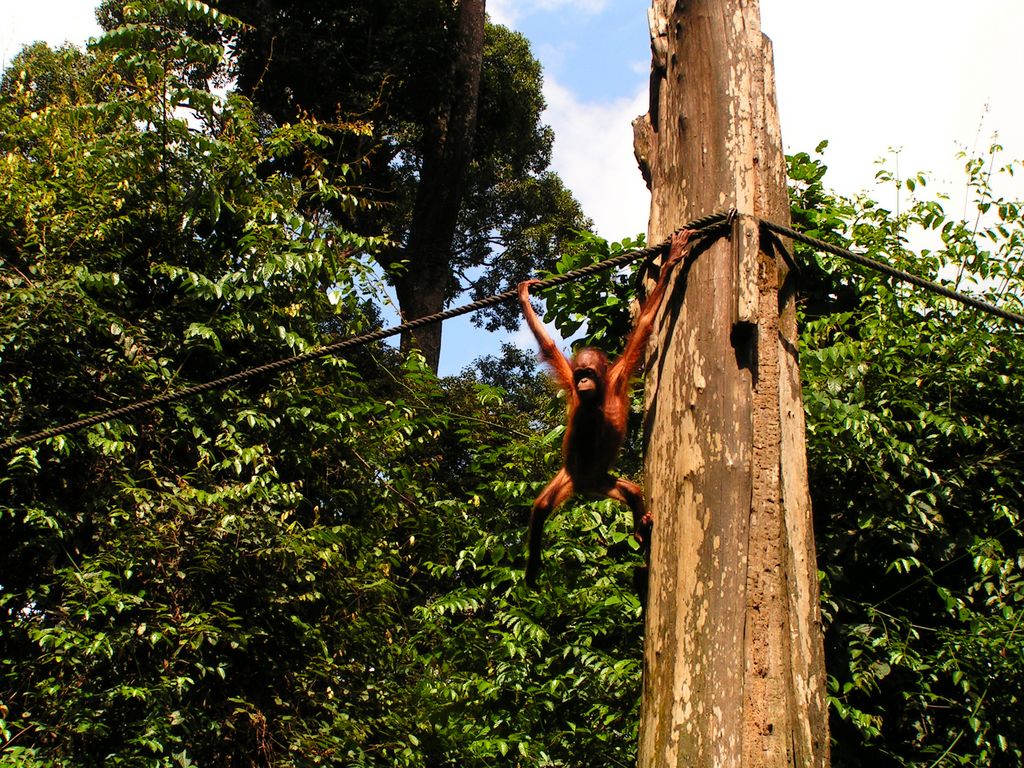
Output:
(705, 226)
(712, 225)
(898, 274)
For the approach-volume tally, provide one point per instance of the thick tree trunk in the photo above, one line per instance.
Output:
(423, 289)
(734, 672)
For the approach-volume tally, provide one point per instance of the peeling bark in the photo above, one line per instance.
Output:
(734, 670)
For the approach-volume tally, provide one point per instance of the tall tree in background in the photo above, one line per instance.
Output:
(310, 570)
(447, 149)
(457, 157)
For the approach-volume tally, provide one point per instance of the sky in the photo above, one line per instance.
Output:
(913, 80)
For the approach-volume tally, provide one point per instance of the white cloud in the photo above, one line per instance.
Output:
(503, 12)
(52, 21)
(586, 6)
(508, 12)
(921, 81)
(594, 156)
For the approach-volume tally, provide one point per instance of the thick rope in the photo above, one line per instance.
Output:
(898, 274)
(705, 226)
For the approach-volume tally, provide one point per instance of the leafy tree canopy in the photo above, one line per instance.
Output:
(322, 568)
(389, 65)
(915, 407)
